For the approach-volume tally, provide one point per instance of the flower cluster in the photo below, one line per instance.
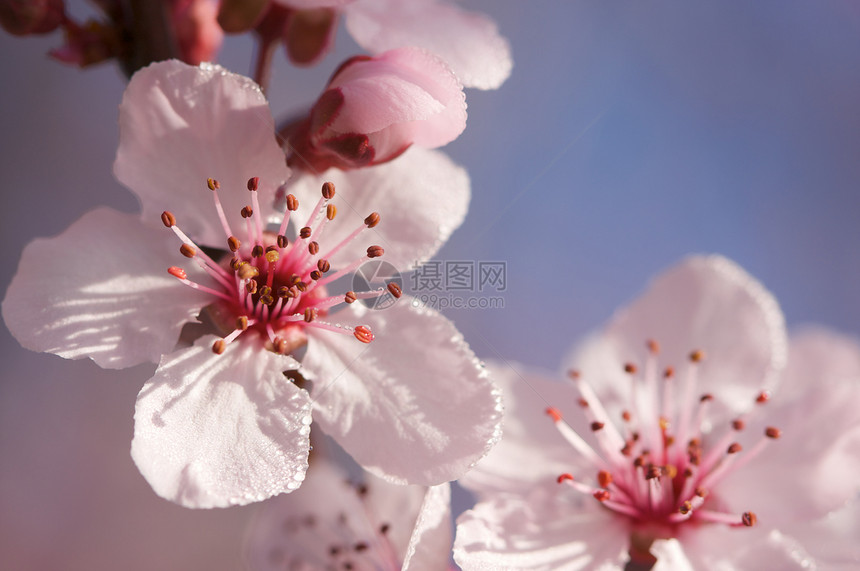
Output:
(690, 433)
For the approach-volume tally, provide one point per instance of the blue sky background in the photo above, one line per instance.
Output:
(629, 135)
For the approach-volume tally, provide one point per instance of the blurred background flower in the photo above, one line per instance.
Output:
(627, 136)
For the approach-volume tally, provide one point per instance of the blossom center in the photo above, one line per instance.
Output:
(660, 466)
(267, 285)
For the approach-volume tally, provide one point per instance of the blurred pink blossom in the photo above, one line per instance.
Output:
(195, 24)
(376, 108)
(677, 446)
(225, 420)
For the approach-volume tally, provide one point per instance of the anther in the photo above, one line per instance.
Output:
(738, 424)
(213, 184)
(554, 413)
(668, 373)
(772, 432)
(233, 243)
(280, 345)
(177, 272)
(383, 529)
(701, 492)
(653, 346)
(315, 275)
(601, 495)
(748, 519)
(653, 472)
(314, 248)
(292, 203)
(284, 292)
(310, 314)
(582, 403)
(267, 299)
(762, 397)
(564, 477)
(272, 256)
(323, 265)
(361, 547)
(247, 271)
(187, 251)
(253, 182)
(236, 263)
(573, 374)
(256, 251)
(330, 211)
(168, 219)
(372, 219)
(282, 241)
(247, 212)
(604, 478)
(301, 286)
(395, 290)
(630, 368)
(734, 448)
(697, 356)
(251, 287)
(305, 232)
(363, 334)
(219, 346)
(328, 190)
(242, 323)
(595, 426)
(626, 416)
(706, 397)
(350, 297)
(375, 251)
(686, 508)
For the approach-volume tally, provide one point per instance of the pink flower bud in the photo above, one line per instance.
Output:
(377, 107)
(195, 23)
(23, 17)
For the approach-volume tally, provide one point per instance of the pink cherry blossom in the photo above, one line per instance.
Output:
(670, 441)
(469, 42)
(226, 417)
(375, 108)
(335, 523)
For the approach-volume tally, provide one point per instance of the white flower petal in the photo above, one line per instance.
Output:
(101, 290)
(414, 406)
(431, 540)
(218, 430)
(542, 531)
(421, 196)
(179, 126)
(531, 449)
(468, 41)
(704, 303)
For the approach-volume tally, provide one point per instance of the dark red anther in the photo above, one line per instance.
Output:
(564, 477)
(253, 183)
(234, 244)
(350, 297)
(596, 425)
(601, 495)
(328, 190)
(363, 334)
(554, 413)
(187, 251)
(395, 290)
(630, 368)
(383, 529)
(236, 263)
(330, 211)
(292, 203)
(734, 448)
(582, 403)
(653, 347)
(653, 472)
(697, 356)
(305, 232)
(772, 432)
(749, 519)
(314, 248)
(626, 416)
(315, 275)
(372, 220)
(323, 265)
(604, 478)
(251, 287)
(375, 251)
(247, 212)
(168, 219)
(361, 546)
(177, 272)
(218, 346)
(668, 373)
(310, 314)
(706, 397)
(282, 241)
(627, 450)
(739, 424)
(301, 286)
(256, 251)
(213, 184)
(284, 292)
(762, 397)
